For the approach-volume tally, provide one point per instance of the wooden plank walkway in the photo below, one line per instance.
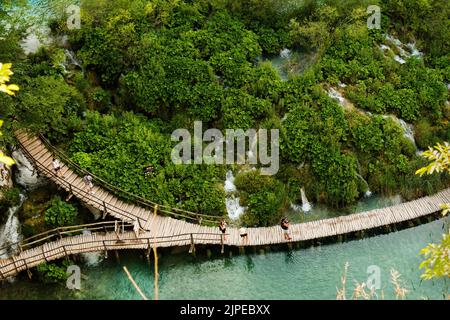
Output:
(168, 232)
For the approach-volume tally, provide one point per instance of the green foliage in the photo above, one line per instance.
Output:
(9, 198)
(422, 18)
(263, 196)
(242, 111)
(60, 213)
(119, 148)
(53, 272)
(47, 104)
(437, 259)
(178, 61)
(367, 133)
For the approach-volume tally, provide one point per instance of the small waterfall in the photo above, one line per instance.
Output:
(336, 95)
(234, 209)
(10, 231)
(306, 206)
(35, 38)
(408, 130)
(71, 60)
(26, 174)
(399, 59)
(414, 51)
(285, 54)
(30, 44)
(229, 183)
(411, 51)
(367, 192)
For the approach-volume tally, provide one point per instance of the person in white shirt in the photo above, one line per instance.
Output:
(56, 166)
(88, 183)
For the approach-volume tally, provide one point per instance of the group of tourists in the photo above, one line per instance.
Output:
(243, 233)
(87, 179)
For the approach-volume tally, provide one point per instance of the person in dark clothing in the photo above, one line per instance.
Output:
(223, 228)
(285, 226)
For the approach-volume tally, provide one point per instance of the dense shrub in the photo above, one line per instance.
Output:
(60, 213)
(263, 196)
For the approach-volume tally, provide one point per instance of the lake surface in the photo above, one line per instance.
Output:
(312, 273)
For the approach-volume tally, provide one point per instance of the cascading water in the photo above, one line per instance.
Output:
(35, 38)
(234, 209)
(71, 61)
(26, 175)
(306, 206)
(411, 51)
(408, 130)
(285, 54)
(336, 95)
(367, 192)
(10, 231)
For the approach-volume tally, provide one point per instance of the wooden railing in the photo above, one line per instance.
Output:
(125, 195)
(23, 261)
(62, 232)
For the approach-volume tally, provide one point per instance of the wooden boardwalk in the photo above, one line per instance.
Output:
(167, 231)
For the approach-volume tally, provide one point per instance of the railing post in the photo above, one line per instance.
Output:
(15, 265)
(106, 249)
(105, 211)
(70, 188)
(2, 275)
(192, 248)
(149, 248)
(221, 242)
(43, 253)
(28, 270)
(65, 252)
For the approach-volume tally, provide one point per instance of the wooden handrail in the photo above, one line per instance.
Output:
(118, 191)
(109, 187)
(59, 232)
(105, 243)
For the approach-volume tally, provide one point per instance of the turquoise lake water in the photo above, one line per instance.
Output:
(312, 273)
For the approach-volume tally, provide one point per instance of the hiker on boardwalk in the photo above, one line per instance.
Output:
(88, 183)
(285, 226)
(223, 228)
(136, 228)
(243, 234)
(56, 166)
